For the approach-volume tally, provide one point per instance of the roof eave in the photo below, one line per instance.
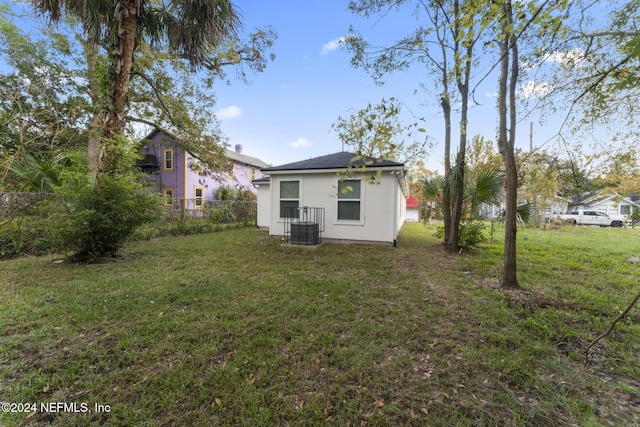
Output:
(357, 170)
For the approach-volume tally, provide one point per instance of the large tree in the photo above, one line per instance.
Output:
(189, 29)
(56, 82)
(516, 24)
(506, 137)
(446, 44)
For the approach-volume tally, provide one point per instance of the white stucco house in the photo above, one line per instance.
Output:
(609, 203)
(366, 205)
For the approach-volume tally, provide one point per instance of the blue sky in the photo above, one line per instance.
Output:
(285, 113)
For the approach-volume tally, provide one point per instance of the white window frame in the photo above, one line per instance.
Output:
(360, 199)
(288, 199)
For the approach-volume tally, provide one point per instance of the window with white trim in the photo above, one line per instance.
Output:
(289, 198)
(349, 200)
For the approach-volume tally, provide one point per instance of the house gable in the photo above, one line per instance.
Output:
(175, 172)
(609, 203)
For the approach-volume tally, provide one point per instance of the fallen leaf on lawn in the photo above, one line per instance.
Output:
(379, 403)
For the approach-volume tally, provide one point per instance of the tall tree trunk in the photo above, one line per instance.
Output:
(95, 127)
(506, 141)
(462, 74)
(446, 190)
(112, 120)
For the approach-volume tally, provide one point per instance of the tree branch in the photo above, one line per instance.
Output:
(610, 328)
(153, 87)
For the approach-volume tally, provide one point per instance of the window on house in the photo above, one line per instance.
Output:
(625, 210)
(230, 170)
(198, 195)
(253, 173)
(349, 199)
(289, 199)
(168, 197)
(168, 159)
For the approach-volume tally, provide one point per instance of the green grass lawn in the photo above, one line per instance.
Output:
(233, 328)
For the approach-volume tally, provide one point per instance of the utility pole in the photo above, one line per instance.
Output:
(531, 137)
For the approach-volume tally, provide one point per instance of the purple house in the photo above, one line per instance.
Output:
(172, 171)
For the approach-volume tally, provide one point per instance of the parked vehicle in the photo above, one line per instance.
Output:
(593, 218)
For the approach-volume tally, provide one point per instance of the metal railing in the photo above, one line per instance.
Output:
(303, 225)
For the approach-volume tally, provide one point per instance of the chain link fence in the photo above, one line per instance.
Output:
(25, 221)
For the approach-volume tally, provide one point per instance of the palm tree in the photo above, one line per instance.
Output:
(485, 188)
(37, 174)
(188, 28)
(432, 191)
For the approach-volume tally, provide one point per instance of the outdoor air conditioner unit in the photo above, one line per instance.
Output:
(305, 233)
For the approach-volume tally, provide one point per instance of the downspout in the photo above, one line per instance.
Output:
(395, 208)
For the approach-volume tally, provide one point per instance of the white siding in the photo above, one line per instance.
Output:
(263, 214)
(382, 202)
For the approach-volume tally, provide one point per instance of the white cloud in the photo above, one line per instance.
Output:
(491, 94)
(299, 143)
(534, 89)
(229, 112)
(332, 45)
(571, 58)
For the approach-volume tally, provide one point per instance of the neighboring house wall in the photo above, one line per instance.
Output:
(182, 182)
(413, 209)
(381, 209)
(611, 204)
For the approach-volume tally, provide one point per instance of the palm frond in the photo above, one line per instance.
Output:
(527, 215)
(487, 188)
(37, 174)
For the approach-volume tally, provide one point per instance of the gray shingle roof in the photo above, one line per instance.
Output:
(243, 158)
(334, 161)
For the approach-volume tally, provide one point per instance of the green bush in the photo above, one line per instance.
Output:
(471, 233)
(225, 193)
(101, 216)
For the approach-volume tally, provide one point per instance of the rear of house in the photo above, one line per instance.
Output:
(367, 204)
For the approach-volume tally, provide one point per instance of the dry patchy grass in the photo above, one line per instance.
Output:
(234, 329)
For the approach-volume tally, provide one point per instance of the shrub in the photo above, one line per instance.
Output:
(101, 216)
(471, 233)
(225, 193)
